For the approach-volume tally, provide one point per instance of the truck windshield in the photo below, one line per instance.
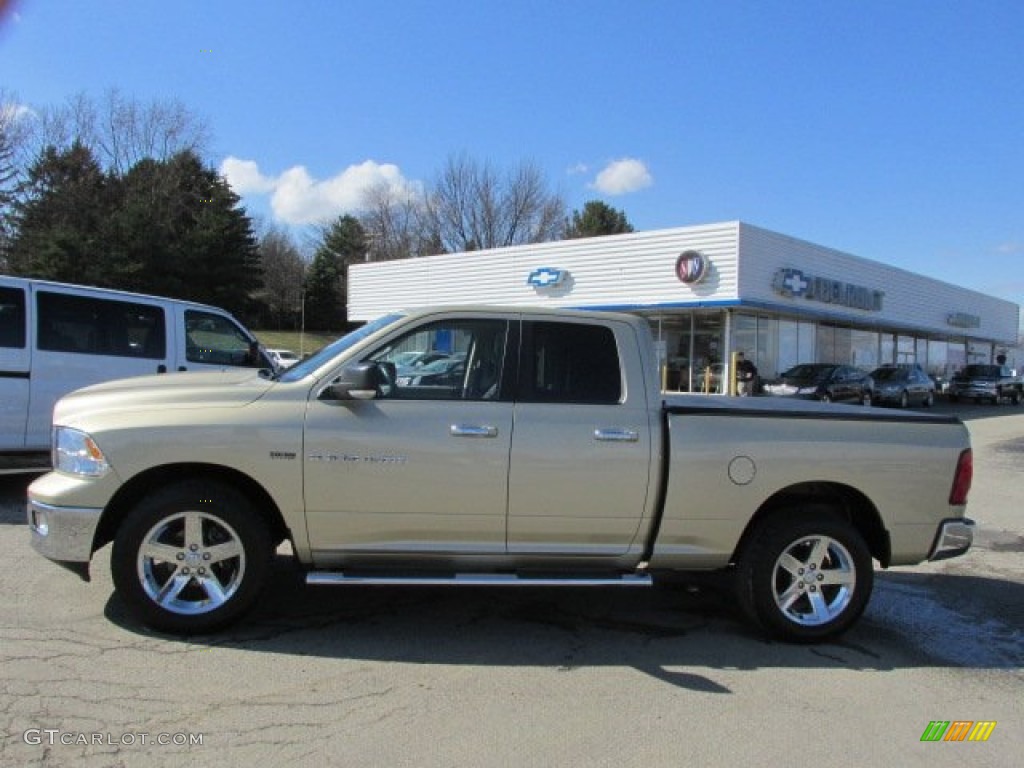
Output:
(311, 363)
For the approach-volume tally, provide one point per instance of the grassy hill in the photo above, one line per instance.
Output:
(300, 344)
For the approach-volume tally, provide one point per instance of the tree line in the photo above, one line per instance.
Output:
(119, 194)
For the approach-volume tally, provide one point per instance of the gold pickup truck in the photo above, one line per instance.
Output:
(494, 447)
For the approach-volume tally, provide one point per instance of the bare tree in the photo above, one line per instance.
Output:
(472, 206)
(284, 272)
(14, 124)
(393, 223)
(122, 130)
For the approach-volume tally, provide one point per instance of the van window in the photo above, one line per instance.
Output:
(569, 363)
(215, 340)
(91, 326)
(12, 318)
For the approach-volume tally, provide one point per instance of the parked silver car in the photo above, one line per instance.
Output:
(902, 385)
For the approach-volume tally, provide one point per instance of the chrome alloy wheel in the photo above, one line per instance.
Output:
(813, 580)
(191, 563)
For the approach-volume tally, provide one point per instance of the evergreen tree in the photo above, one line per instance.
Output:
(180, 233)
(598, 218)
(343, 243)
(171, 228)
(60, 225)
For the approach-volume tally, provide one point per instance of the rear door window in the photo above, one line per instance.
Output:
(12, 318)
(569, 363)
(90, 326)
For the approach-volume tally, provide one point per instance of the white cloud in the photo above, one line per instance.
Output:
(577, 169)
(244, 176)
(297, 198)
(620, 177)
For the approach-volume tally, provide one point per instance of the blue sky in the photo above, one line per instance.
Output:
(893, 129)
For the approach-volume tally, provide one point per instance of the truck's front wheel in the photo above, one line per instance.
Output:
(191, 557)
(805, 578)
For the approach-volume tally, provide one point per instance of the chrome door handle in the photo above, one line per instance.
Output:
(469, 430)
(617, 435)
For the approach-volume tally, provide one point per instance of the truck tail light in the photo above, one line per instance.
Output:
(962, 479)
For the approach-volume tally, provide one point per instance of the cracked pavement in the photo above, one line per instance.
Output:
(346, 676)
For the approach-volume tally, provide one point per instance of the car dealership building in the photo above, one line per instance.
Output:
(715, 289)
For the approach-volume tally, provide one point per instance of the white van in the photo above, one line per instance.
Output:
(55, 338)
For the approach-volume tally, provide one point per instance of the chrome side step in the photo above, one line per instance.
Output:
(481, 580)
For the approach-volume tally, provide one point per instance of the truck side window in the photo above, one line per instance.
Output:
(447, 360)
(12, 318)
(91, 326)
(215, 340)
(569, 363)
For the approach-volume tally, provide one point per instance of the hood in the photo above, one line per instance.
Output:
(213, 389)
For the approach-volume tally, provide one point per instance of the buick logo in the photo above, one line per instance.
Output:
(692, 267)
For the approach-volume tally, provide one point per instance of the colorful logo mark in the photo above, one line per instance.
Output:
(546, 277)
(692, 267)
(958, 730)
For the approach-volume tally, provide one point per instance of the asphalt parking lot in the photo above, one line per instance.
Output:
(477, 677)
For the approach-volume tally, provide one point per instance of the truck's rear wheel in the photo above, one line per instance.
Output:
(191, 557)
(806, 577)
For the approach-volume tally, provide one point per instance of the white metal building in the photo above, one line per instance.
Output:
(713, 289)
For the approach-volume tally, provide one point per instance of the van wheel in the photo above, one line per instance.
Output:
(805, 578)
(191, 557)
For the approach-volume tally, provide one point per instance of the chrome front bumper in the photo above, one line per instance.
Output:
(64, 534)
(953, 539)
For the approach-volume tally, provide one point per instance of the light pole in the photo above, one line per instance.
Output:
(302, 324)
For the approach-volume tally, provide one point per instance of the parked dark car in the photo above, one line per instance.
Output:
(444, 372)
(824, 381)
(902, 385)
(986, 382)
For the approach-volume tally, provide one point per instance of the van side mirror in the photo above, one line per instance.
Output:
(359, 381)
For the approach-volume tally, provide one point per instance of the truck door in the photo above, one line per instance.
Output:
(15, 359)
(422, 469)
(579, 475)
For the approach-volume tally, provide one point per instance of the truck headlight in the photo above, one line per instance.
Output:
(76, 453)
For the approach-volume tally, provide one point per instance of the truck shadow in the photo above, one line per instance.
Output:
(971, 411)
(677, 634)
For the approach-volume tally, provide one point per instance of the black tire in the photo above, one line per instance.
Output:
(904, 399)
(929, 400)
(953, 398)
(866, 398)
(805, 577)
(191, 557)
(1016, 398)
(827, 397)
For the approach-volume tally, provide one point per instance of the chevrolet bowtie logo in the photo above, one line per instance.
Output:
(545, 277)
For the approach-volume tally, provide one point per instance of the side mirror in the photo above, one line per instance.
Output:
(359, 381)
